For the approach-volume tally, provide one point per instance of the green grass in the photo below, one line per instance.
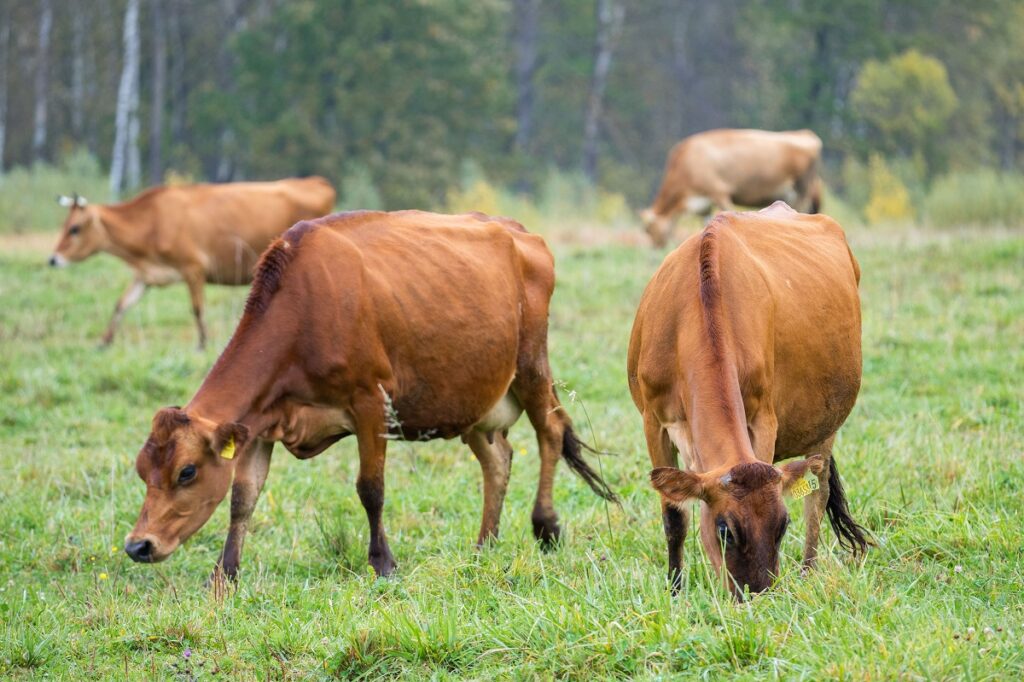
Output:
(932, 457)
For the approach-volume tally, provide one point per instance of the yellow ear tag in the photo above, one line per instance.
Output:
(229, 450)
(805, 486)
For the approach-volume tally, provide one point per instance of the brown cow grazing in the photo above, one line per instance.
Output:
(406, 325)
(719, 168)
(746, 350)
(195, 233)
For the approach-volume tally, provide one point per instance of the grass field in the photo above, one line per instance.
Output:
(932, 457)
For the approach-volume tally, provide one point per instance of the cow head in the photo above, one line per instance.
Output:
(83, 233)
(657, 226)
(743, 517)
(187, 465)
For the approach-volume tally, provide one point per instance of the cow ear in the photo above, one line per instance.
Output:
(65, 201)
(81, 202)
(228, 439)
(677, 486)
(795, 470)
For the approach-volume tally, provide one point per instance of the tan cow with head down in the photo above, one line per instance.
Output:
(195, 233)
(746, 351)
(720, 168)
(405, 325)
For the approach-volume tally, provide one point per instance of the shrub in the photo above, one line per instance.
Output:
(28, 196)
(979, 197)
(889, 199)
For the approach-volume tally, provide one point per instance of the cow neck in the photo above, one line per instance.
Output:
(127, 235)
(245, 381)
(717, 417)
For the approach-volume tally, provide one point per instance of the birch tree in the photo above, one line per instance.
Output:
(42, 80)
(124, 159)
(156, 114)
(5, 39)
(610, 16)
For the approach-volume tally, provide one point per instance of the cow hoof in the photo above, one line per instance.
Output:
(383, 566)
(548, 533)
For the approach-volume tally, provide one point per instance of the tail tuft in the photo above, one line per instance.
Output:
(572, 454)
(851, 535)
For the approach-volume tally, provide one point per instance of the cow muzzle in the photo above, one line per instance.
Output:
(145, 550)
(57, 261)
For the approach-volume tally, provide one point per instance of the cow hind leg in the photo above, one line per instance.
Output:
(250, 475)
(496, 464)
(370, 486)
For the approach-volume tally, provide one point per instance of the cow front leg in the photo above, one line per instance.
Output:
(496, 464)
(675, 520)
(131, 296)
(370, 486)
(250, 475)
(195, 283)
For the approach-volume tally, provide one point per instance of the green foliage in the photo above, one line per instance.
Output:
(28, 195)
(889, 200)
(981, 197)
(905, 101)
(929, 459)
(406, 89)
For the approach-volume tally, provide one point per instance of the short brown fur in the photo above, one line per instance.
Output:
(193, 233)
(405, 324)
(746, 350)
(716, 169)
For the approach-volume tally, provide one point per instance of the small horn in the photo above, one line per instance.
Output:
(81, 202)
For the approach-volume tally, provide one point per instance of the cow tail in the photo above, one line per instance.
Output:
(850, 534)
(572, 453)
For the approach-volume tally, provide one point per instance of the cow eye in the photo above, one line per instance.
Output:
(725, 535)
(187, 474)
(74, 229)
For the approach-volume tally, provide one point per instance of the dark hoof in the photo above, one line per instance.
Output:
(383, 566)
(675, 581)
(548, 533)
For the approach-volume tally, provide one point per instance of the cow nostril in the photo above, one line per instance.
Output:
(141, 550)
(53, 261)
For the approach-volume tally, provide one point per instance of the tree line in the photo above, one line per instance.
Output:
(407, 92)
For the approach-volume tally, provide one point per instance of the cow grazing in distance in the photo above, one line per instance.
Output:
(197, 233)
(746, 351)
(405, 325)
(720, 168)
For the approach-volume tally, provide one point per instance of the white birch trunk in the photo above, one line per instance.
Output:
(609, 24)
(42, 80)
(5, 39)
(126, 117)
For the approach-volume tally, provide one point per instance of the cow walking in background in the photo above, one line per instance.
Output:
(746, 351)
(196, 233)
(405, 325)
(720, 168)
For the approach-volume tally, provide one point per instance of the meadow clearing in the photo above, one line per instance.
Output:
(932, 458)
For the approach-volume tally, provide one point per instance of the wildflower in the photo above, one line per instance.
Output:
(187, 653)
(113, 550)
(103, 576)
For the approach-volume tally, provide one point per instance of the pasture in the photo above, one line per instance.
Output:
(932, 458)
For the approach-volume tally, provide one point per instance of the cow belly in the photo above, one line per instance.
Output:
(502, 416)
(158, 275)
